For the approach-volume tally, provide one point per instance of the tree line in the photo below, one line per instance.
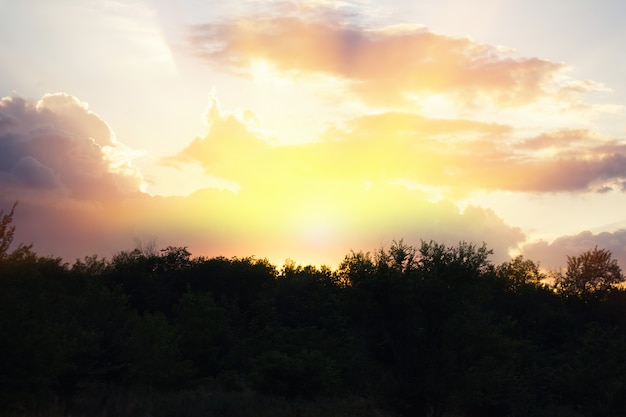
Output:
(427, 330)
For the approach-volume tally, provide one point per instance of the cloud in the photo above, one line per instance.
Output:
(378, 172)
(381, 66)
(342, 192)
(388, 67)
(487, 157)
(370, 171)
(75, 202)
(455, 154)
(59, 147)
(233, 145)
(366, 182)
(554, 255)
(33, 174)
(568, 160)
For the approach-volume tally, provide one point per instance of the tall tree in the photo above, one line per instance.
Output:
(593, 270)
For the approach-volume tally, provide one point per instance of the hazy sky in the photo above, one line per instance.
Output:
(307, 129)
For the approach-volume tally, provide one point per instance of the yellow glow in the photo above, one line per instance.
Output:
(318, 228)
(264, 73)
(435, 105)
(261, 72)
(338, 133)
(431, 193)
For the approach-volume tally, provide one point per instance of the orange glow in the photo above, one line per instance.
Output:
(338, 131)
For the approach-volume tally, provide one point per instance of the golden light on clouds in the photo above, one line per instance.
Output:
(351, 133)
(384, 66)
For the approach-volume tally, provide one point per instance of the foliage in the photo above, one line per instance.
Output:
(592, 271)
(205, 332)
(155, 354)
(520, 271)
(431, 330)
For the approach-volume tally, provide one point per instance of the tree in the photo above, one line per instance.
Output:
(400, 257)
(356, 268)
(520, 271)
(593, 270)
(7, 232)
(155, 353)
(462, 262)
(205, 332)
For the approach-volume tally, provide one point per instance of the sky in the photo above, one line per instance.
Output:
(307, 129)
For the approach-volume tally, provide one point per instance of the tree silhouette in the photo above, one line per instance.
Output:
(520, 271)
(7, 233)
(592, 271)
(431, 330)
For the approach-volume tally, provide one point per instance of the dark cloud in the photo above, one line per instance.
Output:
(29, 172)
(57, 145)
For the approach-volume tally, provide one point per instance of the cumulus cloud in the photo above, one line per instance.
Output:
(233, 145)
(58, 146)
(33, 174)
(554, 254)
(388, 65)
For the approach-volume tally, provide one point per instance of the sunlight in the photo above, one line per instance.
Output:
(435, 105)
(261, 72)
(432, 193)
(316, 223)
(342, 125)
(185, 181)
(121, 159)
(264, 73)
(319, 229)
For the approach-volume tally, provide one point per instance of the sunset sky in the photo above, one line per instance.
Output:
(307, 129)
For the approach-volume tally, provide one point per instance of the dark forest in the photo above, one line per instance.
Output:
(427, 330)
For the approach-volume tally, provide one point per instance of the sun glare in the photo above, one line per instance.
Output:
(316, 224)
(435, 105)
(264, 73)
(319, 229)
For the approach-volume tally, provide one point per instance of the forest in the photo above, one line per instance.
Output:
(426, 330)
